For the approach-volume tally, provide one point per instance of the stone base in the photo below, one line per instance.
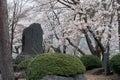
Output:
(21, 57)
(55, 77)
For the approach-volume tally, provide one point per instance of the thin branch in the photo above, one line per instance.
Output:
(77, 48)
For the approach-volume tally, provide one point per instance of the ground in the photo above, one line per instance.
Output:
(90, 76)
(100, 77)
(96, 77)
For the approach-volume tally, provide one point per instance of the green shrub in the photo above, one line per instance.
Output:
(91, 62)
(24, 64)
(54, 64)
(115, 63)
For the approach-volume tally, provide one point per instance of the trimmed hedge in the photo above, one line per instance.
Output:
(54, 64)
(24, 64)
(91, 62)
(115, 63)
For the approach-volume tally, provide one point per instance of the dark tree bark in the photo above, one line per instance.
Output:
(56, 49)
(5, 51)
(76, 47)
(118, 10)
(119, 27)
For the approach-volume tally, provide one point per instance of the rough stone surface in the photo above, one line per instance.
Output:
(20, 58)
(20, 75)
(80, 77)
(32, 39)
(54, 77)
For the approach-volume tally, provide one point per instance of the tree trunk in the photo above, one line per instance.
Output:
(118, 10)
(5, 55)
(64, 49)
(119, 26)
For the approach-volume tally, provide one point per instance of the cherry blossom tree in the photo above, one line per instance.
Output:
(95, 21)
(20, 13)
(71, 24)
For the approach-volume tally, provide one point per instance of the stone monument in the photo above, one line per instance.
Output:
(32, 39)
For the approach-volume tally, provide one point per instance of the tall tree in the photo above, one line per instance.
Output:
(17, 11)
(118, 10)
(5, 53)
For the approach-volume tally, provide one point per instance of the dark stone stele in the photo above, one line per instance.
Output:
(32, 39)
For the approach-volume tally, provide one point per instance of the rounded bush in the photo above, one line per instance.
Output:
(54, 64)
(24, 64)
(91, 62)
(115, 63)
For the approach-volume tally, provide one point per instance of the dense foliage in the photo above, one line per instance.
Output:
(24, 64)
(91, 61)
(54, 64)
(115, 63)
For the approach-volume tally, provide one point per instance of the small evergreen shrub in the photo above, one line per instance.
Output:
(115, 63)
(91, 62)
(24, 64)
(54, 64)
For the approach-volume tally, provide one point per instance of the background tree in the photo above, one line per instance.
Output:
(19, 15)
(5, 55)
(73, 25)
(118, 10)
(92, 22)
